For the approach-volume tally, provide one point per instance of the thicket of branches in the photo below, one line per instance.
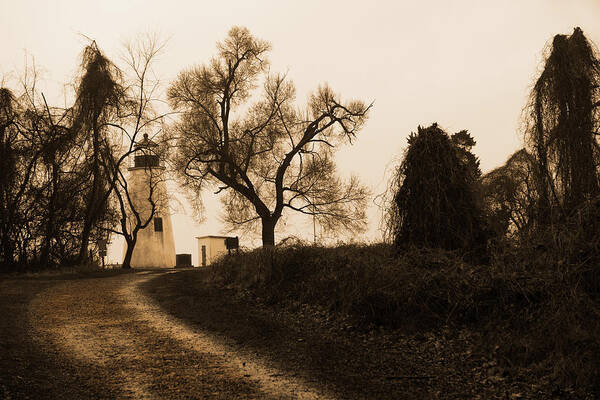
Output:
(510, 194)
(47, 183)
(99, 98)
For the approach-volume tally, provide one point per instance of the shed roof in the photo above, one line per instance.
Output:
(213, 236)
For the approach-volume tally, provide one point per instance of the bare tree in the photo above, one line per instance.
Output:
(267, 156)
(130, 136)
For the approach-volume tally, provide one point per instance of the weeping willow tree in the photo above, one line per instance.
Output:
(98, 99)
(435, 198)
(562, 128)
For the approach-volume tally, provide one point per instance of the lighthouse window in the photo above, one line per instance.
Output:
(146, 160)
(158, 224)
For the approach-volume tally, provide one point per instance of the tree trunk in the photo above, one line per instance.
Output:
(128, 254)
(93, 202)
(268, 231)
(8, 253)
(268, 239)
(50, 222)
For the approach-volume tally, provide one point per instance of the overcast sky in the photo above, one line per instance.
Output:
(463, 64)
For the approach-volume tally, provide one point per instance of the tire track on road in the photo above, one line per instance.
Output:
(272, 382)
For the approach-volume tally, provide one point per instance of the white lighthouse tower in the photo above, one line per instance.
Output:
(155, 246)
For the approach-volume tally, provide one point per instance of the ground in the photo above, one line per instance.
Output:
(165, 334)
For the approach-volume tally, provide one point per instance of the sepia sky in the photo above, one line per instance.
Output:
(463, 64)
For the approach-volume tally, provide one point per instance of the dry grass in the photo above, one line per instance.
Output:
(536, 314)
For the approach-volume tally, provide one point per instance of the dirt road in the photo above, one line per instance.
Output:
(106, 337)
(103, 338)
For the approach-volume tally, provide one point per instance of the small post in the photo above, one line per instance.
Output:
(102, 250)
(314, 223)
(314, 230)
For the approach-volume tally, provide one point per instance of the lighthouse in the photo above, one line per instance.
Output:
(155, 246)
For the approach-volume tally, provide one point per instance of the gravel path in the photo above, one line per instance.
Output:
(103, 338)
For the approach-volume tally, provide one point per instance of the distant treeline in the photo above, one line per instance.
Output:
(63, 187)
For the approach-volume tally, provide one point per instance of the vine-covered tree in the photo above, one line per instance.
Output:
(267, 156)
(99, 98)
(435, 196)
(563, 127)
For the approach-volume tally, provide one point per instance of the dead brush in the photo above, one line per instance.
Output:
(533, 314)
(555, 331)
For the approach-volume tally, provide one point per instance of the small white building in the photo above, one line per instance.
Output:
(210, 248)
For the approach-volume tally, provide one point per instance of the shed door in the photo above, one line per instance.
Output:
(203, 255)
